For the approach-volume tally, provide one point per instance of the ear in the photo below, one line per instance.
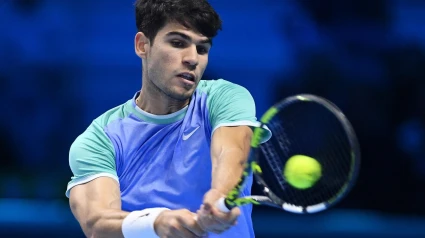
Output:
(141, 45)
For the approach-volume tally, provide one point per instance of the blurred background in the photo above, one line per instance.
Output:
(65, 62)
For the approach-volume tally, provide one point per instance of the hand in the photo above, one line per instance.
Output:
(213, 220)
(177, 223)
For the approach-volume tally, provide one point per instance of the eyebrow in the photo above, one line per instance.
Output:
(188, 38)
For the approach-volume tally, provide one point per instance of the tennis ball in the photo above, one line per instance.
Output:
(302, 172)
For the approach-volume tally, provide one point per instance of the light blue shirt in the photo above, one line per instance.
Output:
(164, 161)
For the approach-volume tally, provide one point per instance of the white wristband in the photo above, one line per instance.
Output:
(141, 223)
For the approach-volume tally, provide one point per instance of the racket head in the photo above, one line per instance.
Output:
(308, 125)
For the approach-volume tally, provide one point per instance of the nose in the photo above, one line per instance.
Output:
(190, 57)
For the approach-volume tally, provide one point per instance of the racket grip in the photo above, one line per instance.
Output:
(221, 205)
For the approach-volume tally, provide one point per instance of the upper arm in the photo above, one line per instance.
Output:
(232, 115)
(88, 200)
(229, 105)
(94, 186)
(92, 155)
(230, 140)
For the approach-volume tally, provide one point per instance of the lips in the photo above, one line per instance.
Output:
(187, 76)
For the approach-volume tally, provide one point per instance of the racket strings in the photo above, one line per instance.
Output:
(276, 165)
(335, 148)
(309, 129)
(281, 137)
(341, 150)
(299, 145)
(331, 154)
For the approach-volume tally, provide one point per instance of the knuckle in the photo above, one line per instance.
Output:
(183, 213)
(235, 215)
(236, 211)
(186, 212)
(174, 225)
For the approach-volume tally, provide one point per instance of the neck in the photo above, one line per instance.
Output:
(152, 100)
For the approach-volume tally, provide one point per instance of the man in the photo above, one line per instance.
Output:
(155, 165)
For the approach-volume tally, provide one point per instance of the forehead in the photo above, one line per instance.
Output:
(177, 27)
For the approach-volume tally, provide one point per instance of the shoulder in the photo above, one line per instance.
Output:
(220, 86)
(111, 115)
(96, 133)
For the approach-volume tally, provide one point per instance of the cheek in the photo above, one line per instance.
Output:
(168, 60)
(203, 64)
(168, 57)
(162, 60)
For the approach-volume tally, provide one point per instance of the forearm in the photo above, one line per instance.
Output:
(105, 224)
(228, 168)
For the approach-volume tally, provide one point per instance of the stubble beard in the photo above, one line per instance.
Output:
(165, 90)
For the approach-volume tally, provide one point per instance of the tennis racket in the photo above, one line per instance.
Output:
(301, 125)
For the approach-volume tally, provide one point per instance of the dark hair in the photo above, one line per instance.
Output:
(198, 15)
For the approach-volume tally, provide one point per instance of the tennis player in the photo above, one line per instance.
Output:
(155, 165)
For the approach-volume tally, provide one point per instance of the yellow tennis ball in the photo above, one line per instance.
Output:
(302, 172)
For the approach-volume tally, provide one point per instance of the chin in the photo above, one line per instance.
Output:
(181, 96)
(181, 93)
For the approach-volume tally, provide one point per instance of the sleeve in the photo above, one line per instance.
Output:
(91, 156)
(230, 104)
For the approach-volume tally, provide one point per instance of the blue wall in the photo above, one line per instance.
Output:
(65, 62)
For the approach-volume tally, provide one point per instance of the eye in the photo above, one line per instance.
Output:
(177, 43)
(202, 50)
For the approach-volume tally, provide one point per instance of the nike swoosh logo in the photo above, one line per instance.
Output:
(185, 137)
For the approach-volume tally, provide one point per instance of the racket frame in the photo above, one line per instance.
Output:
(233, 199)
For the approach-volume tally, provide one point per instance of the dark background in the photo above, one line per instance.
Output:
(65, 62)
